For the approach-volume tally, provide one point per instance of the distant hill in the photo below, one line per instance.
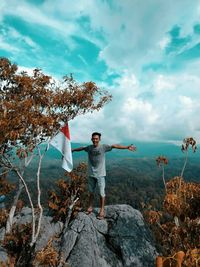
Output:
(144, 149)
(131, 177)
(141, 160)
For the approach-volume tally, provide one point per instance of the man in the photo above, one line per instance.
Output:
(97, 170)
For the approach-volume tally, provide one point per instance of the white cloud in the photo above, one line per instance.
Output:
(59, 18)
(170, 115)
(186, 101)
(164, 42)
(131, 35)
(163, 83)
(33, 14)
(2, 8)
(13, 33)
(4, 45)
(125, 118)
(37, 15)
(141, 109)
(130, 31)
(127, 84)
(135, 29)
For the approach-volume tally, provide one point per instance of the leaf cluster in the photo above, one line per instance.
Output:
(33, 107)
(48, 256)
(3, 217)
(187, 142)
(161, 160)
(182, 198)
(176, 228)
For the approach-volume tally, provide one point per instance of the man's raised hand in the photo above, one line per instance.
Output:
(132, 147)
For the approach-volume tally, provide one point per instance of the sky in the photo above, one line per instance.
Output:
(146, 53)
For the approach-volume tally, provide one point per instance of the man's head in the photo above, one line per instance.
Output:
(96, 137)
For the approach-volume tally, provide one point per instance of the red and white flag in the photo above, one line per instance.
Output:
(61, 141)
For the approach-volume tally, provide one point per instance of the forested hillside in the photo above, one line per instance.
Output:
(130, 179)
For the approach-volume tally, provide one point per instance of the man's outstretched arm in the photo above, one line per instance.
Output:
(78, 149)
(130, 147)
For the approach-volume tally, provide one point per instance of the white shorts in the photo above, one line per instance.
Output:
(93, 181)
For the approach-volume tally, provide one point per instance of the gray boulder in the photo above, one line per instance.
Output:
(2, 233)
(4, 257)
(122, 239)
(48, 229)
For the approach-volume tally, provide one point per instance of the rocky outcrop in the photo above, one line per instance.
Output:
(48, 229)
(122, 239)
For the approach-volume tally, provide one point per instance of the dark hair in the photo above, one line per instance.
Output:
(95, 133)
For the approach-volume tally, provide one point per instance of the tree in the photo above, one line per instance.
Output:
(32, 109)
(176, 226)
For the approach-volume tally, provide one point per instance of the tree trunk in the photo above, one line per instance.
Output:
(9, 222)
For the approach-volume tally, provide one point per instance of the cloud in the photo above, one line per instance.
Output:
(140, 32)
(129, 34)
(18, 37)
(186, 101)
(145, 54)
(125, 117)
(162, 84)
(33, 14)
(170, 114)
(163, 43)
(4, 45)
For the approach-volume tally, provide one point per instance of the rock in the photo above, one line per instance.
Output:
(24, 216)
(122, 239)
(2, 233)
(48, 230)
(4, 258)
(25, 211)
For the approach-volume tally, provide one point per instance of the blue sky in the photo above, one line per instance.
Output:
(146, 53)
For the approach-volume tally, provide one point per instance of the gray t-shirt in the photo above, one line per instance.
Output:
(96, 159)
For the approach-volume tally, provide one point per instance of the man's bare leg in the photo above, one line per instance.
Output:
(91, 200)
(102, 204)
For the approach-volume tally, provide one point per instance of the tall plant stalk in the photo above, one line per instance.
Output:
(162, 161)
(185, 162)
